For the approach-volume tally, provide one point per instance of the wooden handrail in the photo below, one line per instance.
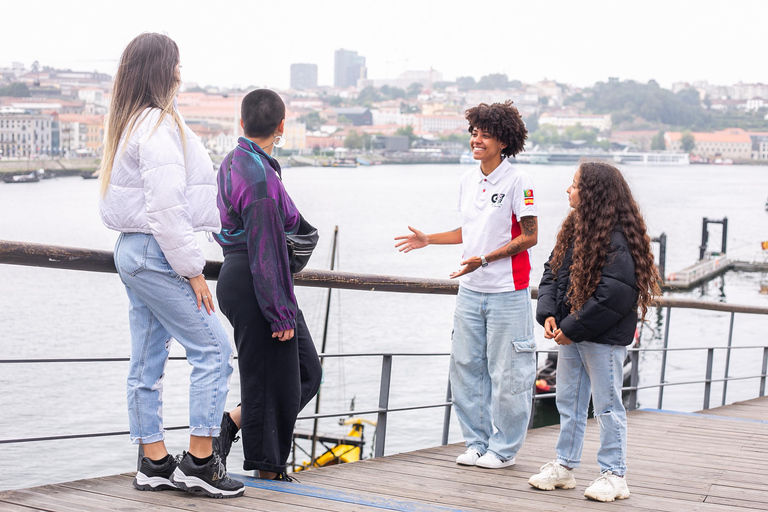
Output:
(72, 258)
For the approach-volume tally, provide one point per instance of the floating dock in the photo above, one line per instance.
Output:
(708, 462)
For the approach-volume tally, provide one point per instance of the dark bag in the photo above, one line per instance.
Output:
(299, 245)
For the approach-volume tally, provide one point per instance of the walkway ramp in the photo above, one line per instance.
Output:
(711, 461)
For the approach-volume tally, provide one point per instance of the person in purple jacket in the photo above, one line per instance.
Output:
(280, 371)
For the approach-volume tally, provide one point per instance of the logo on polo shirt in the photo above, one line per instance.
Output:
(528, 197)
(497, 199)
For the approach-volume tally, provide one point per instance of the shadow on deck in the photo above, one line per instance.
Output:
(708, 461)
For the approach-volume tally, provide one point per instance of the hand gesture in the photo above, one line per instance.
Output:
(550, 326)
(410, 242)
(204, 297)
(470, 265)
(561, 339)
(283, 335)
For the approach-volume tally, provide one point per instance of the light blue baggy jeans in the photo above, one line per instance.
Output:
(163, 305)
(492, 369)
(591, 368)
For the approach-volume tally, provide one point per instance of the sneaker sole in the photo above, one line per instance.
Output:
(497, 466)
(552, 487)
(197, 486)
(153, 483)
(606, 499)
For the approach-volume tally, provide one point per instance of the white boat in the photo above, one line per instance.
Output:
(466, 158)
(652, 158)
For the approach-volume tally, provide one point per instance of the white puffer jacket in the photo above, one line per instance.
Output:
(154, 190)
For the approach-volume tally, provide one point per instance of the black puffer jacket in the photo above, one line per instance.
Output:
(610, 315)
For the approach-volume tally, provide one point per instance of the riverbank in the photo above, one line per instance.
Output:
(59, 166)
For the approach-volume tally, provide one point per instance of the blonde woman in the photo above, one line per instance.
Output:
(158, 187)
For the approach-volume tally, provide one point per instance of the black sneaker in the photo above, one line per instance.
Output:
(285, 477)
(210, 479)
(228, 435)
(155, 477)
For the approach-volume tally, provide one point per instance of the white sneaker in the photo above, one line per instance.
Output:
(468, 458)
(608, 487)
(553, 474)
(492, 461)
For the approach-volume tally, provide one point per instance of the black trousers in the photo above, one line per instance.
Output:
(277, 378)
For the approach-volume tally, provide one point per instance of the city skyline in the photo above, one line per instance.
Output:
(576, 44)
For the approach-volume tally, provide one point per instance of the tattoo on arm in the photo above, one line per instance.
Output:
(529, 226)
(513, 247)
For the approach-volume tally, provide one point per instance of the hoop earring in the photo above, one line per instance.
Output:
(279, 141)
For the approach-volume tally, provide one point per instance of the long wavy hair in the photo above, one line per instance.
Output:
(605, 202)
(146, 78)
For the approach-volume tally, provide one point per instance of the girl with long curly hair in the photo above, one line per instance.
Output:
(600, 272)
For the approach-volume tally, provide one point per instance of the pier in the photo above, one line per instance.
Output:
(706, 461)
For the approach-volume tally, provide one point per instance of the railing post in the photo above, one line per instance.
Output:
(381, 422)
(447, 415)
(634, 377)
(708, 380)
(664, 358)
(728, 358)
(764, 372)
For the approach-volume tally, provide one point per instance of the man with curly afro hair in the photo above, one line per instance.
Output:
(493, 361)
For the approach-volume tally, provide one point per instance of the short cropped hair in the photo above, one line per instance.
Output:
(501, 120)
(261, 112)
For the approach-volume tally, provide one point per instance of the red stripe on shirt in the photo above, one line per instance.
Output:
(521, 262)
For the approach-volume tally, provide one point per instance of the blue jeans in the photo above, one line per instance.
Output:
(597, 368)
(492, 369)
(163, 305)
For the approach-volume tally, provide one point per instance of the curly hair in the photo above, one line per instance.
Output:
(501, 120)
(605, 202)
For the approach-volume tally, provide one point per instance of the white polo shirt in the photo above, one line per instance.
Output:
(491, 208)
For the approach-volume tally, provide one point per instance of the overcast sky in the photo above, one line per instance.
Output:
(229, 43)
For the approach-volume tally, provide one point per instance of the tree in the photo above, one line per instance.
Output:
(408, 132)
(313, 120)
(16, 90)
(35, 67)
(688, 141)
(353, 141)
(493, 81)
(531, 123)
(657, 142)
(414, 90)
(335, 101)
(465, 83)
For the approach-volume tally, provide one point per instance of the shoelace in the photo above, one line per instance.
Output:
(285, 477)
(549, 467)
(603, 476)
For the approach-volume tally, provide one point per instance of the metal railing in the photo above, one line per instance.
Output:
(101, 261)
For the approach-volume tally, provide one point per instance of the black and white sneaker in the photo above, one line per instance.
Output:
(228, 435)
(155, 477)
(210, 478)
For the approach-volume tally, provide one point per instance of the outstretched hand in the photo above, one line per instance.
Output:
(470, 265)
(417, 240)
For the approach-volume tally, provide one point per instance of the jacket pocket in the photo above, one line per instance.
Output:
(133, 254)
(523, 365)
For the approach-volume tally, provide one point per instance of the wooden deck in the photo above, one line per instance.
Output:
(713, 461)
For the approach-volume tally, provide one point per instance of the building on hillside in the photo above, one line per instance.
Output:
(601, 123)
(303, 76)
(729, 143)
(640, 139)
(295, 135)
(81, 134)
(24, 134)
(359, 116)
(759, 145)
(349, 67)
(441, 124)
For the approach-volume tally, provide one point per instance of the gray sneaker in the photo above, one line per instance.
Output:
(210, 479)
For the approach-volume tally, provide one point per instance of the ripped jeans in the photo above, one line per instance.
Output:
(163, 305)
(597, 368)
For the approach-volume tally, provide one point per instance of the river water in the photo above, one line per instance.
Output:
(55, 313)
